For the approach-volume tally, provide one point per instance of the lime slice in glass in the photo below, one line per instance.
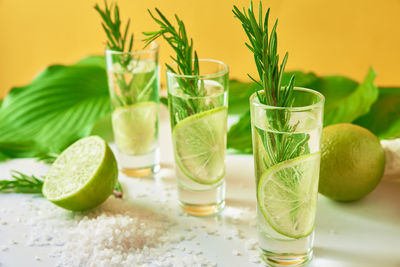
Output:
(83, 176)
(200, 142)
(135, 128)
(287, 195)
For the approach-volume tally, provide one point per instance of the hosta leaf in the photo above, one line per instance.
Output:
(345, 99)
(384, 116)
(60, 106)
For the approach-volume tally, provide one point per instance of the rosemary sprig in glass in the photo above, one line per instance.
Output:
(112, 27)
(118, 41)
(186, 59)
(264, 46)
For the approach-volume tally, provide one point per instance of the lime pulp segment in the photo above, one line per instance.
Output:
(200, 142)
(135, 127)
(287, 195)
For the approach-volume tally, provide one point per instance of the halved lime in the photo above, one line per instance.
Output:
(135, 128)
(200, 142)
(83, 176)
(287, 195)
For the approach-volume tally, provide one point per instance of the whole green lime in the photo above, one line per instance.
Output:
(352, 162)
(83, 176)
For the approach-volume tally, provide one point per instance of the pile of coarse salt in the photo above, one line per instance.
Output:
(115, 234)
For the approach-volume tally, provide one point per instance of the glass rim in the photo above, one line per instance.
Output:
(254, 98)
(136, 52)
(224, 71)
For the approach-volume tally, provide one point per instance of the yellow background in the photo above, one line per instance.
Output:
(328, 37)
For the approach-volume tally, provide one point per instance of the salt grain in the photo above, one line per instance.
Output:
(255, 259)
(250, 244)
(235, 252)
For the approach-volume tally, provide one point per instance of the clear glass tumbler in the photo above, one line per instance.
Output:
(198, 106)
(133, 79)
(286, 148)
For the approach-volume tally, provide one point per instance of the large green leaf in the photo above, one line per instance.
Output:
(239, 135)
(384, 117)
(239, 94)
(60, 106)
(346, 100)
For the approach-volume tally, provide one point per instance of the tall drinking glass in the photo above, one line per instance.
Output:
(133, 79)
(286, 148)
(198, 106)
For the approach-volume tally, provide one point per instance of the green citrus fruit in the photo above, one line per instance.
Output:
(83, 176)
(135, 128)
(352, 162)
(287, 195)
(200, 142)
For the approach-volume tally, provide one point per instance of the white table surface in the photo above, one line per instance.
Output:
(363, 233)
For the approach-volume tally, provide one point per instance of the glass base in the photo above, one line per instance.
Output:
(286, 259)
(141, 172)
(202, 203)
(290, 252)
(139, 166)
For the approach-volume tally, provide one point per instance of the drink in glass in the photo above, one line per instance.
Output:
(198, 106)
(286, 148)
(134, 87)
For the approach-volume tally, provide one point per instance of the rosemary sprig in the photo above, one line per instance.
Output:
(186, 58)
(21, 183)
(264, 48)
(30, 184)
(179, 41)
(117, 41)
(263, 45)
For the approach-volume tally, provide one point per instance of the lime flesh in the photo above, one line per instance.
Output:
(135, 128)
(200, 142)
(287, 195)
(83, 176)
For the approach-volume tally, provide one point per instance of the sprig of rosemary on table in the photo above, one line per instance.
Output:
(264, 48)
(21, 183)
(30, 184)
